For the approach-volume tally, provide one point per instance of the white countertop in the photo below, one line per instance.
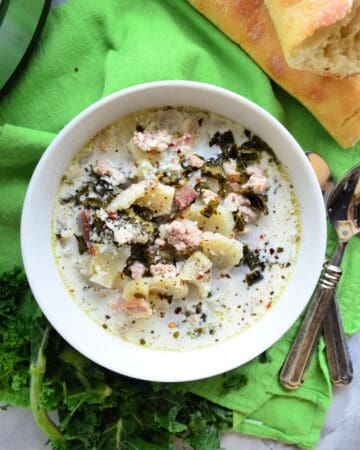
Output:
(341, 430)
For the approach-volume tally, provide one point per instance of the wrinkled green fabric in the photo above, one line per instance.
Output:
(90, 49)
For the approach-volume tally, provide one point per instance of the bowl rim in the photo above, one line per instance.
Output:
(144, 363)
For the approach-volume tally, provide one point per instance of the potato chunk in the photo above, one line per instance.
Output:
(225, 253)
(159, 199)
(107, 264)
(221, 221)
(197, 271)
(150, 193)
(168, 285)
(136, 289)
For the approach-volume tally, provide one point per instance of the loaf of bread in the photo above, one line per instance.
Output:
(322, 36)
(334, 102)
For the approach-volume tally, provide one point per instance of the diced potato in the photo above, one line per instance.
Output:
(107, 264)
(159, 199)
(138, 155)
(158, 302)
(221, 221)
(129, 196)
(231, 170)
(223, 252)
(148, 193)
(145, 170)
(197, 271)
(168, 285)
(136, 289)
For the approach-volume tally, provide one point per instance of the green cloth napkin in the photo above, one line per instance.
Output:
(90, 49)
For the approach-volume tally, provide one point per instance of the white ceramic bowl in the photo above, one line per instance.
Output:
(91, 339)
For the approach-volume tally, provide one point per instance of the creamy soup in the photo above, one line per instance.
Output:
(175, 228)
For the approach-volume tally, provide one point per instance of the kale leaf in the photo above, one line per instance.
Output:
(97, 409)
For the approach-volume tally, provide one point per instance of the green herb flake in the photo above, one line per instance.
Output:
(82, 247)
(210, 208)
(253, 277)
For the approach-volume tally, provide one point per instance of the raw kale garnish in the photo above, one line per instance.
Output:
(97, 408)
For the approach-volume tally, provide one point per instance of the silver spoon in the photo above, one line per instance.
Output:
(344, 213)
(336, 346)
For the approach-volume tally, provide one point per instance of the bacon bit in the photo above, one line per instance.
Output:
(103, 167)
(112, 215)
(138, 308)
(137, 270)
(195, 161)
(161, 269)
(84, 226)
(185, 196)
(172, 325)
(268, 306)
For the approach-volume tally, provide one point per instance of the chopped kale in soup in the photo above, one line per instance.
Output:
(175, 228)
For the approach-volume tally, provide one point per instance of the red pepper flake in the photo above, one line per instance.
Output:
(112, 215)
(172, 325)
(162, 314)
(261, 236)
(92, 250)
(177, 310)
(200, 276)
(268, 306)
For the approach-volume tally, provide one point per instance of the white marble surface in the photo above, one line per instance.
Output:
(341, 430)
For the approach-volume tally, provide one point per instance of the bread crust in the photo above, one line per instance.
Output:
(322, 36)
(334, 102)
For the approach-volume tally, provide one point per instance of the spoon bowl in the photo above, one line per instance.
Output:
(344, 205)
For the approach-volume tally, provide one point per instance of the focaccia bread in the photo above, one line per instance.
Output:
(334, 102)
(322, 36)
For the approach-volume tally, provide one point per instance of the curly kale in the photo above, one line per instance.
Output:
(97, 409)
